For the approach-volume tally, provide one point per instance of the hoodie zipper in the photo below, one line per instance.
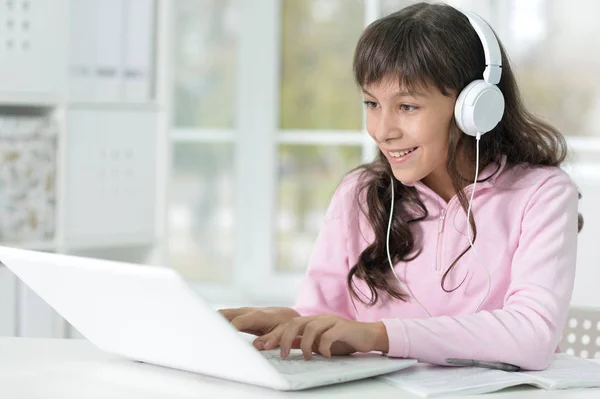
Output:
(441, 219)
(438, 262)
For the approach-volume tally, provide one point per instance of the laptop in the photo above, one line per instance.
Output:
(150, 314)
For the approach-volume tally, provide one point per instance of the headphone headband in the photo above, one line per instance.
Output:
(491, 48)
(480, 105)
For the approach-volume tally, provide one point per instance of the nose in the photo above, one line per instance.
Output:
(388, 128)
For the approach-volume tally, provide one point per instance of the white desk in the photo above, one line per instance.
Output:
(56, 368)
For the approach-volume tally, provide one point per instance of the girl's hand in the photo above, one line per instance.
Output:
(328, 335)
(258, 321)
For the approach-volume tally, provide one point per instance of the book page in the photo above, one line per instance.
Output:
(566, 371)
(430, 381)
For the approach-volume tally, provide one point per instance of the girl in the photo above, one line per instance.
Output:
(394, 268)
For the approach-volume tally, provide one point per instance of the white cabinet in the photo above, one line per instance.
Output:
(111, 51)
(34, 317)
(87, 67)
(32, 50)
(110, 177)
(8, 302)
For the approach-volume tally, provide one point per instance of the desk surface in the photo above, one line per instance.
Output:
(57, 368)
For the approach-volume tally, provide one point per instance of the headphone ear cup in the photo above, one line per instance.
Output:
(478, 108)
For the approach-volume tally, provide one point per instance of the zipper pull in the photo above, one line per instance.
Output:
(441, 221)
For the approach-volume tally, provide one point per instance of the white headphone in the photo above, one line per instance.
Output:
(478, 109)
(480, 105)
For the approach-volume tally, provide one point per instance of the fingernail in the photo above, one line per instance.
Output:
(259, 344)
(268, 344)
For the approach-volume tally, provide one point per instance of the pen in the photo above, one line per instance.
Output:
(478, 363)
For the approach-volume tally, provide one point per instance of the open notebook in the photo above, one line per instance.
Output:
(429, 381)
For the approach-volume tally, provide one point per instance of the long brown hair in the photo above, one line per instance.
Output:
(435, 45)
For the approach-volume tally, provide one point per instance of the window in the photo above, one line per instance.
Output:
(308, 175)
(319, 103)
(205, 43)
(317, 45)
(201, 218)
(201, 213)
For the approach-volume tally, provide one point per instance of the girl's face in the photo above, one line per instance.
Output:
(411, 129)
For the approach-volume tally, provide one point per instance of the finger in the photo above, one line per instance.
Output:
(327, 339)
(293, 328)
(296, 343)
(312, 330)
(252, 323)
(259, 344)
(271, 339)
(232, 313)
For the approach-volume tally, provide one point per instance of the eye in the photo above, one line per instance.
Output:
(408, 108)
(370, 104)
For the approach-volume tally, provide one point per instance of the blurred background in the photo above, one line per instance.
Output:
(209, 135)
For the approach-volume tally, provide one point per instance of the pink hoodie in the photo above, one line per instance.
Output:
(526, 221)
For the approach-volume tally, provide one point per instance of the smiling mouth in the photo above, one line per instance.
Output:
(400, 154)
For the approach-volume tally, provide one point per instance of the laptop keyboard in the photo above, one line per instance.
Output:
(295, 363)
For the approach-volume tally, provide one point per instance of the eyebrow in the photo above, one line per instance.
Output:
(401, 94)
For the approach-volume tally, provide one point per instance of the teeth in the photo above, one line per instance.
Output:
(401, 153)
